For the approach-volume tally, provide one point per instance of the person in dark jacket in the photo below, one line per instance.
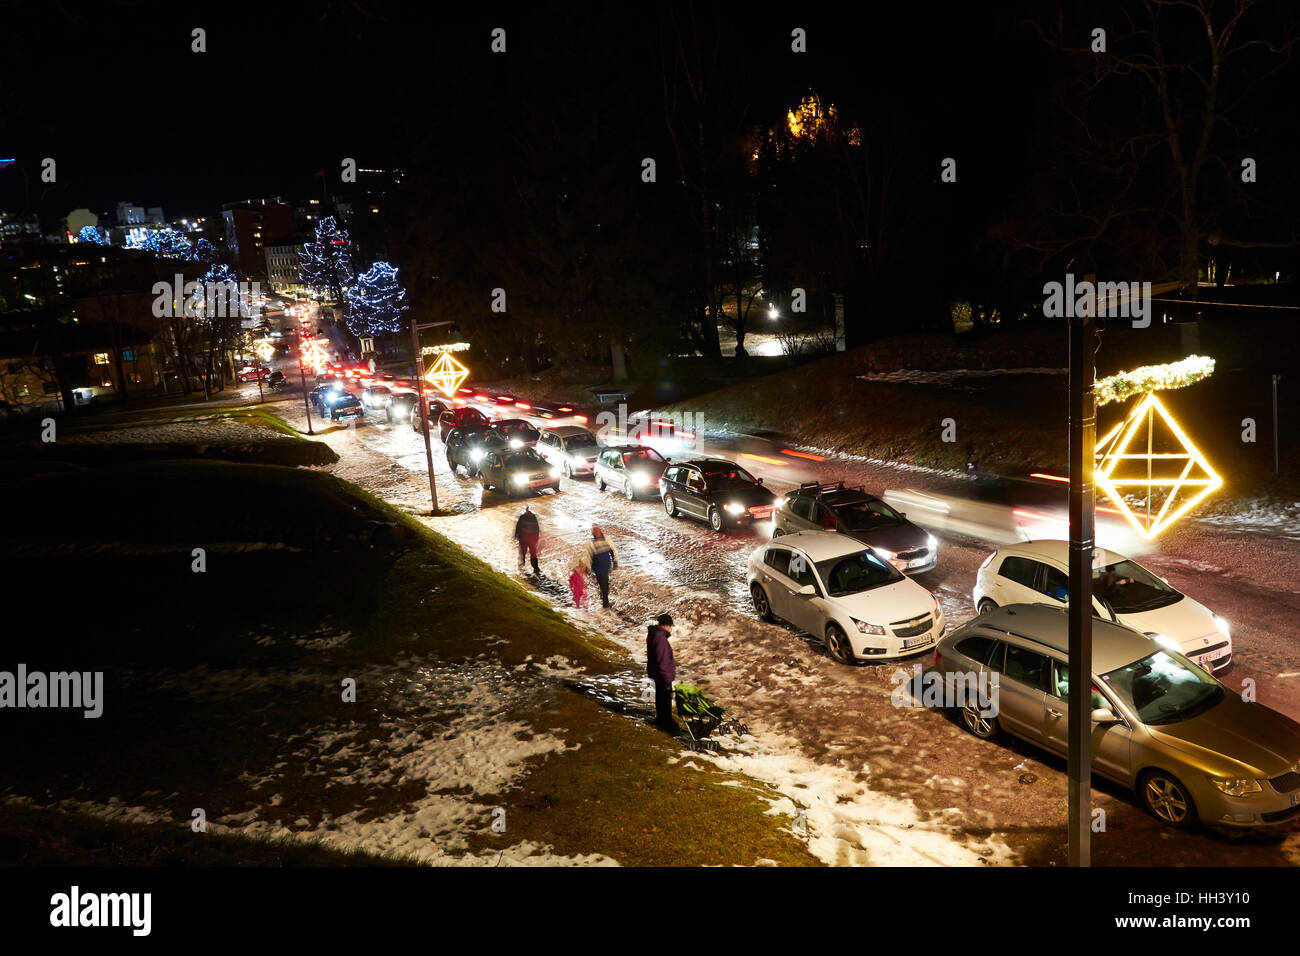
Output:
(602, 558)
(526, 534)
(662, 669)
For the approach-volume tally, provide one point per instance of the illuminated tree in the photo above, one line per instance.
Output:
(325, 263)
(376, 302)
(167, 244)
(91, 234)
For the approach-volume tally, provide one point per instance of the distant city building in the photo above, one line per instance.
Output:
(282, 268)
(130, 215)
(251, 227)
(19, 227)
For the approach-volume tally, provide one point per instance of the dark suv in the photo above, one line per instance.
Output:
(467, 446)
(717, 491)
(830, 506)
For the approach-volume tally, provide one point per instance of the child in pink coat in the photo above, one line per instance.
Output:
(578, 585)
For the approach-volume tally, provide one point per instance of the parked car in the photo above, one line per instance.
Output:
(377, 397)
(632, 469)
(276, 379)
(515, 470)
(460, 417)
(835, 589)
(829, 506)
(1123, 591)
(1191, 748)
(517, 432)
(571, 447)
(717, 491)
(468, 445)
(251, 373)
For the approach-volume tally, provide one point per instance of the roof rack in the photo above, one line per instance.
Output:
(825, 487)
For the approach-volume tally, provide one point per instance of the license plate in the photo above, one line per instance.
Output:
(917, 562)
(914, 641)
(1295, 798)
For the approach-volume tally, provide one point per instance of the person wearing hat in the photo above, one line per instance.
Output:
(662, 669)
(527, 534)
(602, 558)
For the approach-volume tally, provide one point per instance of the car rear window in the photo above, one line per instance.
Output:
(778, 559)
(976, 648)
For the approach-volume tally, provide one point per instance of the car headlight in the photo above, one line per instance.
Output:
(887, 555)
(577, 460)
(865, 628)
(476, 455)
(932, 542)
(1237, 787)
(779, 503)
(516, 443)
(1222, 626)
(555, 473)
(641, 479)
(733, 508)
(1164, 640)
(519, 479)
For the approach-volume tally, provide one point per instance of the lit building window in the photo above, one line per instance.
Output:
(101, 358)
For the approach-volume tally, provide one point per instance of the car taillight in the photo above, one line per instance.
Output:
(987, 560)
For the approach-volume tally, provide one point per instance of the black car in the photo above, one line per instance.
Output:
(276, 379)
(405, 408)
(467, 447)
(830, 506)
(717, 491)
(517, 432)
(336, 405)
(516, 470)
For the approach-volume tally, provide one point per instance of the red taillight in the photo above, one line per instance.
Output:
(524, 405)
(987, 560)
(565, 408)
(581, 418)
(480, 398)
(467, 391)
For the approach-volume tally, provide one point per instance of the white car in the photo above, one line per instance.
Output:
(835, 588)
(571, 448)
(1035, 572)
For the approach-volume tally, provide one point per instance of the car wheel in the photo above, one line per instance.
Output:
(1167, 799)
(977, 723)
(388, 413)
(715, 519)
(451, 464)
(777, 532)
(568, 472)
(837, 643)
(629, 491)
(762, 607)
(986, 606)
(600, 484)
(670, 506)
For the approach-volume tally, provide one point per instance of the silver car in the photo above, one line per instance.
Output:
(1190, 747)
(571, 447)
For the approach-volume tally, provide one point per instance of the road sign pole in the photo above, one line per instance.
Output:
(424, 412)
(1083, 440)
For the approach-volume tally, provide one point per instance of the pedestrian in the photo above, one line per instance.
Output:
(578, 585)
(662, 669)
(526, 535)
(602, 558)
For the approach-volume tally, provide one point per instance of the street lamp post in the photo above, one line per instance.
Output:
(424, 412)
(1083, 440)
(302, 370)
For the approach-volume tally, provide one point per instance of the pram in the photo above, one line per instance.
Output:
(702, 718)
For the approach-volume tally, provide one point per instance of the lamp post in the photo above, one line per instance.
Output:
(424, 412)
(302, 370)
(1083, 440)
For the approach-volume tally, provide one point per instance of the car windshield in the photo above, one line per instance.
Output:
(1164, 688)
(855, 573)
(579, 442)
(520, 430)
(484, 438)
(865, 515)
(642, 456)
(1130, 588)
(526, 458)
(725, 479)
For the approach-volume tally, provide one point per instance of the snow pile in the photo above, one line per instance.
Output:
(214, 430)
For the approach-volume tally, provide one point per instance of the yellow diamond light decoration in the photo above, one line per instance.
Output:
(447, 374)
(314, 354)
(264, 349)
(1160, 460)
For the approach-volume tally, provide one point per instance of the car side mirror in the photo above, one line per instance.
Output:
(1104, 715)
(806, 591)
(760, 481)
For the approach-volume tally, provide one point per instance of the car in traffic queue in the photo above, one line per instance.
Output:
(633, 470)
(377, 398)
(1122, 590)
(517, 470)
(468, 445)
(716, 491)
(830, 506)
(1192, 749)
(573, 448)
(839, 591)
(405, 408)
(464, 416)
(518, 432)
(334, 404)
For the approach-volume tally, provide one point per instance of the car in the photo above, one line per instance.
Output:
(433, 407)
(467, 445)
(1124, 591)
(632, 469)
(459, 418)
(1163, 726)
(836, 589)
(276, 379)
(717, 491)
(251, 373)
(830, 506)
(571, 447)
(514, 470)
(340, 406)
(403, 408)
(517, 432)
(377, 397)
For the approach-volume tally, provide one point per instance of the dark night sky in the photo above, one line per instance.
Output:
(112, 91)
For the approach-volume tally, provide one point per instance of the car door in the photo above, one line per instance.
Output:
(546, 448)
(807, 611)
(694, 498)
(492, 470)
(774, 577)
(1015, 581)
(799, 517)
(1111, 744)
(1022, 700)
